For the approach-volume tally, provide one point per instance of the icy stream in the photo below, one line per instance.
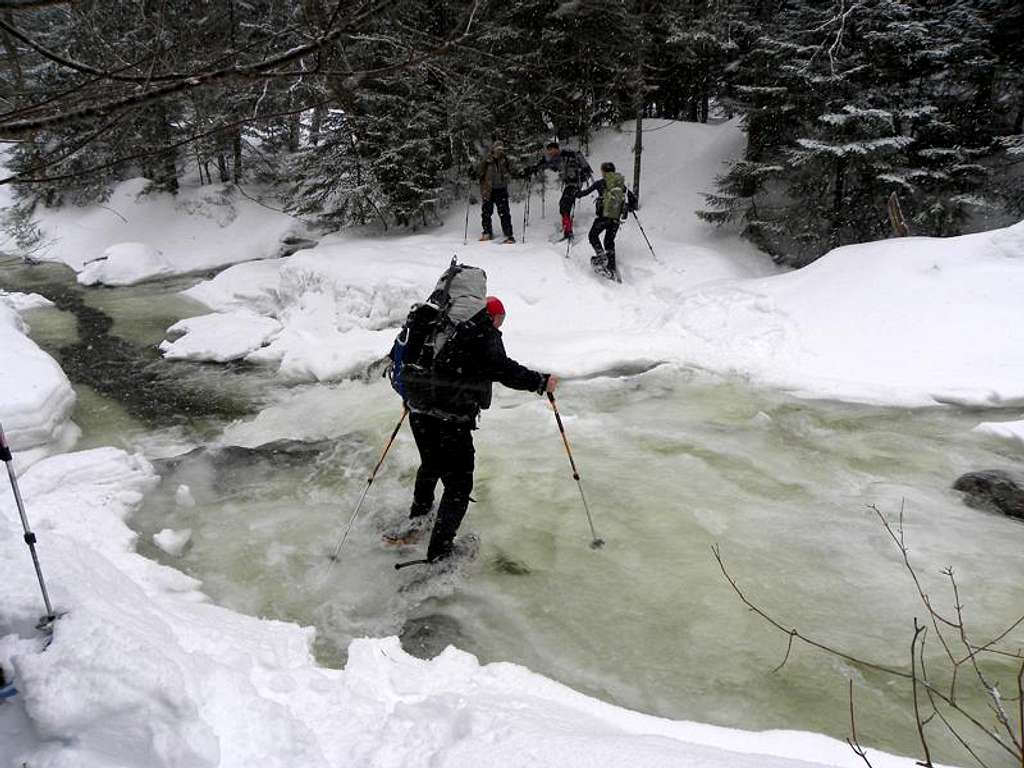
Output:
(673, 461)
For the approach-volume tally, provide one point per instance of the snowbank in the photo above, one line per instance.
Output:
(138, 235)
(36, 398)
(20, 302)
(913, 322)
(142, 671)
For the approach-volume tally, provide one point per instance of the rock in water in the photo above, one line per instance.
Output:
(427, 636)
(993, 489)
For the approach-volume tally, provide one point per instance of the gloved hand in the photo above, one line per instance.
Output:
(472, 199)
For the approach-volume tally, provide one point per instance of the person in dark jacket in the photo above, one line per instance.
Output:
(574, 172)
(470, 361)
(494, 173)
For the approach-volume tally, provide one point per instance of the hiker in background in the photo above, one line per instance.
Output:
(493, 174)
(614, 201)
(574, 171)
(446, 403)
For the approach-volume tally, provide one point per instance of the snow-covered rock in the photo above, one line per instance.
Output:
(173, 542)
(124, 264)
(1010, 430)
(219, 337)
(183, 496)
(20, 302)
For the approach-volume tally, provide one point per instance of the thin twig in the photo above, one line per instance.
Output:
(852, 740)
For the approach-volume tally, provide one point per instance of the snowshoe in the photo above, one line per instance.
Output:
(485, 237)
(508, 240)
(407, 531)
(442, 572)
(561, 237)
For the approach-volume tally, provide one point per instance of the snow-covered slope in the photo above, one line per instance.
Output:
(912, 322)
(138, 235)
(142, 671)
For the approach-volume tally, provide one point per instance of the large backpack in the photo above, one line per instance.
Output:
(614, 195)
(460, 293)
(572, 169)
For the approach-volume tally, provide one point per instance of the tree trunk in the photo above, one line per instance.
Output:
(237, 146)
(222, 168)
(294, 132)
(315, 123)
(638, 104)
(837, 202)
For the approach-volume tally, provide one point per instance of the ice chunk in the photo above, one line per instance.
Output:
(173, 542)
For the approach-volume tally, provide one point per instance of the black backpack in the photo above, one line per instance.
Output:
(414, 355)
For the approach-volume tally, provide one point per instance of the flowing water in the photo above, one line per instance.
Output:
(673, 462)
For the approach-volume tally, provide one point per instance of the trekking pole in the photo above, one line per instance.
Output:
(369, 482)
(645, 235)
(572, 220)
(30, 538)
(526, 206)
(596, 542)
(465, 232)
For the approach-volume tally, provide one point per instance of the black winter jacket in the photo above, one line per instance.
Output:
(469, 362)
(571, 166)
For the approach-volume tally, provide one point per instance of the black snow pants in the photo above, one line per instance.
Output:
(446, 454)
(610, 227)
(499, 198)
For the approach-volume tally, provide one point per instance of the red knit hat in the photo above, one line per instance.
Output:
(494, 306)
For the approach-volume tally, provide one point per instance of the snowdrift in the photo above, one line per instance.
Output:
(36, 398)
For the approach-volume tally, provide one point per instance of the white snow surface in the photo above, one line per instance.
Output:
(220, 337)
(20, 302)
(912, 321)
(143, 671)
(36, 398)
(138, 235)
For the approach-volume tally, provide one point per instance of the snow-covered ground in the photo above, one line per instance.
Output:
(138, 235)
(143, 671)
(914, 321)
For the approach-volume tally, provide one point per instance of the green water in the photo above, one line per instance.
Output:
(673, 462)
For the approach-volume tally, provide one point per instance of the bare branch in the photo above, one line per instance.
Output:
(918, 631)
(852, 740)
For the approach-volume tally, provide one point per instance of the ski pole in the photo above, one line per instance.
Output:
(30, 538)
(465, 232)
(645, 235)
(369, 482)
(596, 542)
(526, 206)
(572, 219)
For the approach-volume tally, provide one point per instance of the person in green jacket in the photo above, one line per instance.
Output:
(613, 203)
